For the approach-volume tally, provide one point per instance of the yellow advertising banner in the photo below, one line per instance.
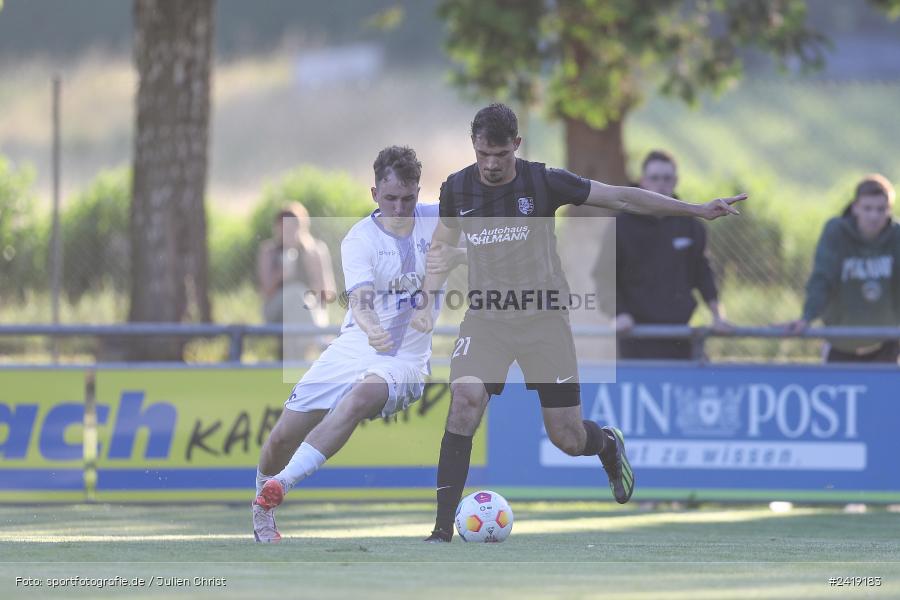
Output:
(196, 433)
(41, 453)
(220, 418)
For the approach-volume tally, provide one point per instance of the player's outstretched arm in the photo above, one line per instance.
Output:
(362, 305)
(434, 278)
(644, 202)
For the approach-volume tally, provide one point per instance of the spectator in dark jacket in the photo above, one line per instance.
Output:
(856, 275)
(659, 262)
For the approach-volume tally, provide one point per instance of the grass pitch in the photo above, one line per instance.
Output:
(557, 550)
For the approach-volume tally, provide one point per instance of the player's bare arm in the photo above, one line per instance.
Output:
(434, 279)
(362, 305)
(644, 202)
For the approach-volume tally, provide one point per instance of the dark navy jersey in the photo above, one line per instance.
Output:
(509, 250)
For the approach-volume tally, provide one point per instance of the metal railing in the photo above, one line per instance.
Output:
(238, 333)
(698, 335)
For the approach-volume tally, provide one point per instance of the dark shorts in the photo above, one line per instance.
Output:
(542, 345)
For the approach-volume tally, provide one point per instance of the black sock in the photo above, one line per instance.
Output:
(595, 441)
(453, 469)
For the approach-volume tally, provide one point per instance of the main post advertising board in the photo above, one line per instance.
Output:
(719, 432)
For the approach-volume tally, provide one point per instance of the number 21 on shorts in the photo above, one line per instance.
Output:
(462, 346)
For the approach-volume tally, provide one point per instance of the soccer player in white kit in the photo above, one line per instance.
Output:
(377, 364)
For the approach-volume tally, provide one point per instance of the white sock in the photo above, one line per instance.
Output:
(260, 481)
(305, 462)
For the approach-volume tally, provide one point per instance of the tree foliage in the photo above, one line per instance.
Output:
(890, 7)
(599, 57)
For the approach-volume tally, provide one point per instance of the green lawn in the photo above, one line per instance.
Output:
(570, 550)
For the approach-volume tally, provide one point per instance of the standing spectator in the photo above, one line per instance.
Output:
(659, 262)
(292, 264)
(856, 275)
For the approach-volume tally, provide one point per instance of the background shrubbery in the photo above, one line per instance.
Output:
(332, 199)
(95, 237)
(23, 235)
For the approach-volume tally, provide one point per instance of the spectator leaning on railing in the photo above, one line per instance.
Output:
(856, 275)
(660, 261)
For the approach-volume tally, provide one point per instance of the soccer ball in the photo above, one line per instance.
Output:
(484, 516)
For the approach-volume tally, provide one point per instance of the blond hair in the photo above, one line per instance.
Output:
(297, 211)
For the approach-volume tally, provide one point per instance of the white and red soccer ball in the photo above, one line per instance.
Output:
(484, 516)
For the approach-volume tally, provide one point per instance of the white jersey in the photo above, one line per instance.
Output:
(395, 267)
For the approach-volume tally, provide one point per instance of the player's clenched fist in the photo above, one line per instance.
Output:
(379, 338)
(423, 320)
(442, 258)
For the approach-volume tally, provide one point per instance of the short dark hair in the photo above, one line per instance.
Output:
(399, 160)
(658, 155)
(497, 123)
(873, 185)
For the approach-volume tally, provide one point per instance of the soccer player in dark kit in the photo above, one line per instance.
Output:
(512, 256)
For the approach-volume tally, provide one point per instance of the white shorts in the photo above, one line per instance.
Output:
(337, 370)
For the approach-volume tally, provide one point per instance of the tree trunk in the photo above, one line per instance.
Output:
(597, 154)
(173, 54)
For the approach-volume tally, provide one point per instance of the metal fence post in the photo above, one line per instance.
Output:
(236, 347)
(698, 343)
(89, 436)
(55, 241)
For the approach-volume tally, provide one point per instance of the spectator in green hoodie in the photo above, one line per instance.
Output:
(856, 275)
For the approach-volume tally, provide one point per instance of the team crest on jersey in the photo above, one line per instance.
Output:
(424, 246)
(526, 205)
(408, 282)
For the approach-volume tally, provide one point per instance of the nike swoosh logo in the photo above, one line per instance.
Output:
(558, 380)
(463, 213)
(443, 487)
